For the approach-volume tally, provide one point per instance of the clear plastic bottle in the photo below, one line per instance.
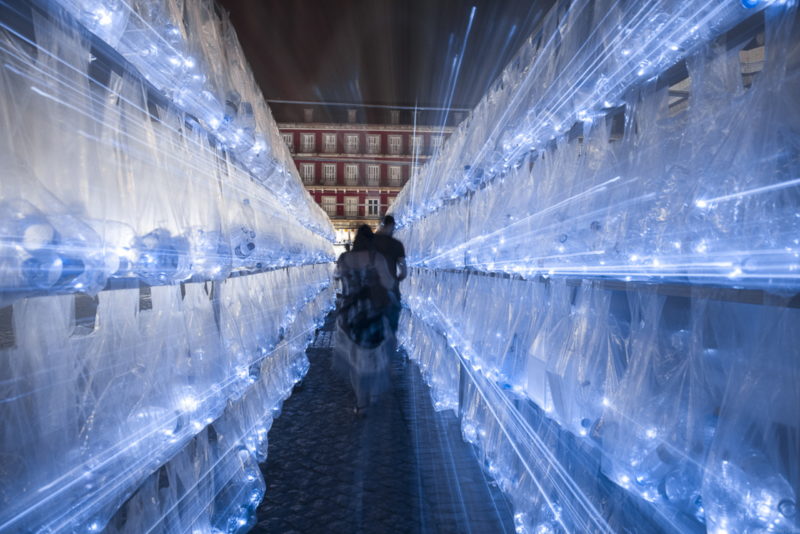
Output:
(747, 494)
(163, 258)
(210, 255)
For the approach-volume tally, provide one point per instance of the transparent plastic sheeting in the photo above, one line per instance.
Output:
(164, 406)
(189, 51)
(602, 410)
(702, 186)
(654, 144)
(155, 297)
(99, 183)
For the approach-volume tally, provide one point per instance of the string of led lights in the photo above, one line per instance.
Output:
(161, 270)
(624, 269)
(642, 41)
(655, 456)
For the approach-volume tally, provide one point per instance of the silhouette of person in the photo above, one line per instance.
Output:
(394, 252)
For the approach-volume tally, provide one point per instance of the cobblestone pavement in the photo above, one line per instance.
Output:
(403, 468)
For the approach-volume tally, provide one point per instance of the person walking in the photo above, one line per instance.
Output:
(394, 252)
(364, 338)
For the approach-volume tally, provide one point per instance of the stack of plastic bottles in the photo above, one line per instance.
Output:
(707, 192)
(161, 270)
(605, 270)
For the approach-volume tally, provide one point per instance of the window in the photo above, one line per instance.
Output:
(372, 206)
(308, 114)
(373, 175)
(289, 140)
(351, 206)
(351, 174)
(329, 173)
(395, 144)
(395, 175)
(415, 169)
(417, 141)
(307, 142)
(373, 144)
(352, 115)
(307, 171)
(329, 141)
(351, 143)
(390, 202)
(329, 205)
(436, 142)
(394, 116)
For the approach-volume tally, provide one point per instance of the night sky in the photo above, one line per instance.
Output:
(381, 51)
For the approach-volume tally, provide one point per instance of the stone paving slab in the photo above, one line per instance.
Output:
(403, 468)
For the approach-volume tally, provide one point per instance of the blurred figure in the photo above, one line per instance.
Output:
(395, 254)
(364, 336)
(336, 275)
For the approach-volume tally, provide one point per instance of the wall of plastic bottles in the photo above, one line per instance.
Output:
(605, 270)
(161, 270)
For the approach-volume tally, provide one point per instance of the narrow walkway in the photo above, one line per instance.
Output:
(403, 468)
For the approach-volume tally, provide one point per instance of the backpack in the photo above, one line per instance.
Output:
(363, 305)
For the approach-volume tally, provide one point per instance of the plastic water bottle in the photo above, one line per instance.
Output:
(51, 260)
(243, 244)
(163, 258)
(210, 255)
(746, 495)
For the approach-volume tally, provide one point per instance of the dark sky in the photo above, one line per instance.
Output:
(380, 51)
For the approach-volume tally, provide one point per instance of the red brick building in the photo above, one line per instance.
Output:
(354, 171)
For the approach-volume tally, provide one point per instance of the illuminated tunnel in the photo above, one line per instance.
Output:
(604, 270)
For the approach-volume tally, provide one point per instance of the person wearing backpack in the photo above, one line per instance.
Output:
(364, 336)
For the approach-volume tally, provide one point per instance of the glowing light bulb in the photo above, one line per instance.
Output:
(103, 16)
(188, 403)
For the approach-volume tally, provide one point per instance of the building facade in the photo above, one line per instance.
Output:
(355, 171)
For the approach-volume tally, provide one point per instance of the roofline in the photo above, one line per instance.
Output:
(404, 128)
(352, 105)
